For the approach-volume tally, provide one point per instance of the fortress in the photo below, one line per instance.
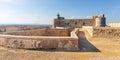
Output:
(67, 38)
(95, 21)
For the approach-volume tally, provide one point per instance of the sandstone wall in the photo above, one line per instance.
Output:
(19, 28)
(42, 32)
(39, 42)
(88, 29)
(73, 23)
(107, 32)
(74, 33)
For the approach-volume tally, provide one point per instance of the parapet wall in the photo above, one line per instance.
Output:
(88, 29)
(74, 33)
(42, 32)
(106, 32)
(19, 28)
(38, 42)
(32, 42)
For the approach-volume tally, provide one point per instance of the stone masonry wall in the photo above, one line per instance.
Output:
(38, 42)
(107, 32)
(73, 23)
(88, 29)
(41, 32)
(19, 28)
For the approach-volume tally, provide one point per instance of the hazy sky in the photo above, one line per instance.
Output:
(43, 11)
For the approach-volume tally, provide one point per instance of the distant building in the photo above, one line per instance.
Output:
(96, 21)
(114, 24)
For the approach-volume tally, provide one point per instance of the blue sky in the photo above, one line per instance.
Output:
(43, 11)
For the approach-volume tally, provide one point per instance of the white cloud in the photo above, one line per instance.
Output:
(9, 16)
(6, 13)
(88, 16)
(11, 1)
(80, 17)
(7, 1)
(75, 17)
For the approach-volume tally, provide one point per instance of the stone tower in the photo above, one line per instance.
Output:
(100, 21)
(56, 21)
(58, 16)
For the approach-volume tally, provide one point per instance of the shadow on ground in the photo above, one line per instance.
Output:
(85, 45)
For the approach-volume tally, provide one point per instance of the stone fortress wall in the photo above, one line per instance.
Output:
(28, 39)
(106, 32)
(19, 28)
(103, 32)
(97, 21)
(41, 32)
(96, 26)
(66, 37)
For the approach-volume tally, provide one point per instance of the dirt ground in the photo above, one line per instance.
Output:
(106, 49)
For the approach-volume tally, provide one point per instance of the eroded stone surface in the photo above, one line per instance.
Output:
(36, 43)
(109, 32)
(42, 32)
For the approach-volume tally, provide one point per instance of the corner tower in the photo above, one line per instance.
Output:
(56, 21)
(100, 21)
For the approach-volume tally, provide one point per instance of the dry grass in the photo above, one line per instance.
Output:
(110, 50)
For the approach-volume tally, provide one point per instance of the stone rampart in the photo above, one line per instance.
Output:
(96, 21)
(88, 29)
(107, 32)
(74, 33)
(38, 42)
(73, 23)
(19, 28)
(42, 32)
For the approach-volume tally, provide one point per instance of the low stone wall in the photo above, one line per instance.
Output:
(74, 33)
(107, 32)
(31, 42)
(19, 28)
(37, 42)
(42, 32)
(88, 29)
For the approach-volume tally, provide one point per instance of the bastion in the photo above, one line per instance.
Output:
(62, 39)
(63, 35)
